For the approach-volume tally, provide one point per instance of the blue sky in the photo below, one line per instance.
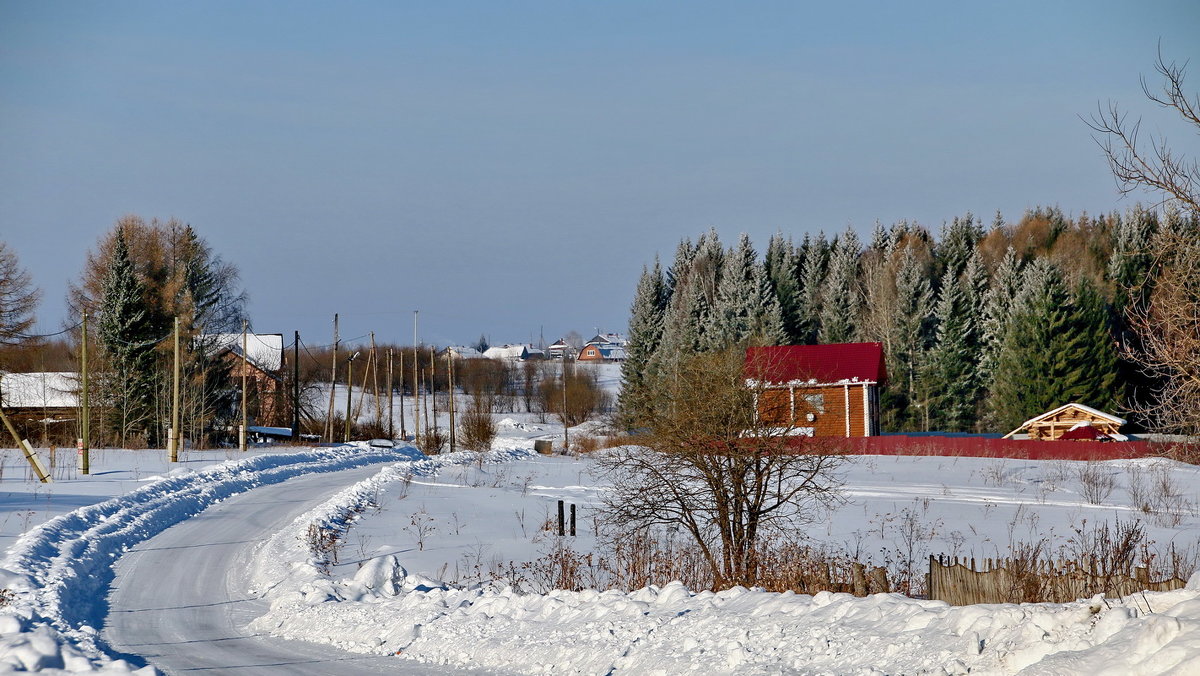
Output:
(509, 167)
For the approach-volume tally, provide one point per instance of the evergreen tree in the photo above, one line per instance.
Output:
(676, 317)
(746, 306)
(126, 334)
(998, 304)
(906, 359)
(1089, 347)
(782, 268)
(839, 297)
(689, 310)
(1058, 350)
(952, 364)
(957, 244)
(645, 332)
(813, 266)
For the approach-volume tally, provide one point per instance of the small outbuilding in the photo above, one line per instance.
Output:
(819, 390)
(1071, 422)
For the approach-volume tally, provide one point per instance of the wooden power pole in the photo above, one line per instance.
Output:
(416, 384)
(349, 392)
(24, 445)
(296, 387)
(173, 433)
(84, 415)
(450, 387)
(332, 382)
(400, 367)
(391, 394)
(245, 380)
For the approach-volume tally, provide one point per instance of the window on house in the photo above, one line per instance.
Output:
(816, 402)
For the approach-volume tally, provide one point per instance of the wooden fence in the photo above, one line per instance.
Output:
(986, 447)
(959, 583)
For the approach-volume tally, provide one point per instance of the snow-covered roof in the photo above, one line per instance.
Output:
(507, 352)
(46, 389)
(265, 349)
(464, 352)
(607, 339)
(1087, 409)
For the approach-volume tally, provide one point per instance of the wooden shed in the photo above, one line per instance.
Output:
(1052, 425)
(819, 390)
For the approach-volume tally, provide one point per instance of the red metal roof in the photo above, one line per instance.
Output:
(1084, 433)
(822, 363)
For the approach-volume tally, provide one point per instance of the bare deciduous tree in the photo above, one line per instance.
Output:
(18, 298)
(1168, 328)
(1152, 164)
(1168, 325)
(711, 467)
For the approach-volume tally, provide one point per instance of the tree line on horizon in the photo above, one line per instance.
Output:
(983, 327)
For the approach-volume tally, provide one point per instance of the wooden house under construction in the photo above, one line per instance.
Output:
(1071, 422)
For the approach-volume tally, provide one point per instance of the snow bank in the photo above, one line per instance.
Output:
(383, 609)
(59, 572)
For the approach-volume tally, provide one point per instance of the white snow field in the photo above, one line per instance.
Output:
(210, 568)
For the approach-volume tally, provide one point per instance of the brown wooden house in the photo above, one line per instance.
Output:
(1071, 421)
(263, 366)
(819, 390)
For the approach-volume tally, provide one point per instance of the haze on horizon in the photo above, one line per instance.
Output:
(508, 168)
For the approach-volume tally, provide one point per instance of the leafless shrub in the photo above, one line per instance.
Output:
(1096, 484)
(432, 441)
(584, 444)
(421, 526)
(477, 427)
(322, 543)
(1025, 581)
(994, 474)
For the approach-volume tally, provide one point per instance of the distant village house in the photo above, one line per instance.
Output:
(262, 364)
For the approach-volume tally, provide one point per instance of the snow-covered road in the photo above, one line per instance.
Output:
(179, 600)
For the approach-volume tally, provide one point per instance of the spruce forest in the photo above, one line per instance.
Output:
(983, 326)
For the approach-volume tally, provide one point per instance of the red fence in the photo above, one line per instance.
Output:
(983, 447)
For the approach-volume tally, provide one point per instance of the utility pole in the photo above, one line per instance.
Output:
(24, 445)
(416, 383)
(245, 380)
(450, 387)
(296, 387)
(332, 382)
(373, 362)
(566, 436)
(173, 433)
(433, 384)
(403, 432)
(391, 397)
(349, 390)
(84, 442)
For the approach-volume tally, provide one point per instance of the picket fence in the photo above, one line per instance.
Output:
(959, 582)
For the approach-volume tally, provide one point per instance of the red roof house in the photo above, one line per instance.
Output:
(819, 390)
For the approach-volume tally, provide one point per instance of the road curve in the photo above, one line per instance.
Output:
(179, 599)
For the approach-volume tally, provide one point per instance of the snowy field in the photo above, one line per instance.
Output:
(425, 545)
